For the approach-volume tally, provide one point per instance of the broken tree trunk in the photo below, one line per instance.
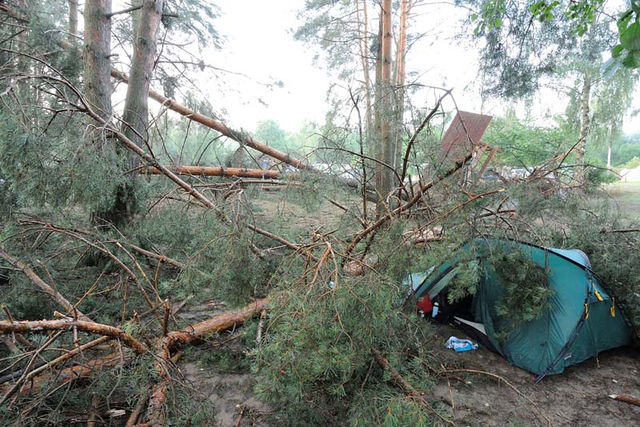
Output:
(218, 323)
(216, 171)
(217, 125)
(626, 398)
(188, 335)
(7, 326)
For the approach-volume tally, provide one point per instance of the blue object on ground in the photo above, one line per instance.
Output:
(460, 345)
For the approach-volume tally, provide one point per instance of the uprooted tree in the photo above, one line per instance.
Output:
(100, 253)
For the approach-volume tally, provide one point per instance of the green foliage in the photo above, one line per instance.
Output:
(227, 353)
(614, 257)
(524, 145)
(490, 16)
(467, 277)
(325, 21)
(598, 176)
(319, 343)
(395, 257)
(525, 292)
(219, 256)
(624, 150)
(380, 404)
(271, 133)
(50, 168)
(543, 10)
(633, 163)
(195, 18)
(512, 59)
(582, 15)
(113, 388)
(571, 221)
(628, 51)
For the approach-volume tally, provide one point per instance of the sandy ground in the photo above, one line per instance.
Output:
(577, 397)
(231, 395)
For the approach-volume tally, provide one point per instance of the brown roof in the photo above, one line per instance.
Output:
(464, 132)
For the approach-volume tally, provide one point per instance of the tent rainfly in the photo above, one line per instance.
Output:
(580, 321)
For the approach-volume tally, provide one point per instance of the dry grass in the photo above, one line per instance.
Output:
(627, 196)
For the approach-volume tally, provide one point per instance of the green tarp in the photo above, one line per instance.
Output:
(581, 319)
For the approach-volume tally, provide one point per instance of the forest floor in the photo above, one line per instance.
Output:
(577, 397)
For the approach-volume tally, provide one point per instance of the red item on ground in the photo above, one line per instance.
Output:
(425, 304)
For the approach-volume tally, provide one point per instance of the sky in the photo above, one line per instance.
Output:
(260, 44)
(271, 76)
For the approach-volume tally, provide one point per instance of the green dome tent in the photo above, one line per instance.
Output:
(579, 321)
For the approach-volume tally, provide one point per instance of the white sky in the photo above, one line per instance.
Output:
(259, 44)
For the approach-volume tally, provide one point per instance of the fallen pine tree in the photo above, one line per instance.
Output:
(238, 136)
(163, 349)
(216, 171)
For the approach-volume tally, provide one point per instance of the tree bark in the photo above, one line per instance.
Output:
(581, 148)
(97, 49)
(364, 56)
(384, 152)
(627, 398)
(216, 171)
(73, 20)
(136, 106)
(7, 326)
(97, 86)
(188, 335)
(374, 135)
(399, 83)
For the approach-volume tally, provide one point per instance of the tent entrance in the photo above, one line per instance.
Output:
(460, 314)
